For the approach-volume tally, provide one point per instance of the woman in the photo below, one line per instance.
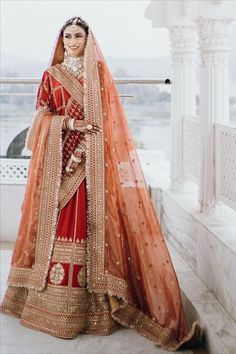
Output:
(90, 255)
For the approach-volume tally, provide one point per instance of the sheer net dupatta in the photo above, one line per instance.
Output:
(31, 255)
(127, 256)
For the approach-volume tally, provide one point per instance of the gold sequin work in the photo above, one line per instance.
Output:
(57, 273)
(65, 307)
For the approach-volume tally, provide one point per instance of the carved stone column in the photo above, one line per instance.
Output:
(214, 98)
(183, 100)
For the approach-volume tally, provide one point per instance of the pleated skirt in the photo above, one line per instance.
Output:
(65, 308)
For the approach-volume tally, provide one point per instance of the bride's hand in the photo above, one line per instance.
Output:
(80, 149)
(87, 128)
(71, 166)
(76, 158)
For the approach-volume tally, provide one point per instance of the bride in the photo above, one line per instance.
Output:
(90, 256)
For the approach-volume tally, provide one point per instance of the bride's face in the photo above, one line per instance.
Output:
(74, 39)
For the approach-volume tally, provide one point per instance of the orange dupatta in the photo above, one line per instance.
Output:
(127, 256)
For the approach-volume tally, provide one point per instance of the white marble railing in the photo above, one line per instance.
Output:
(225, 157)
(224, 151)
(13, 171)
(191, 148)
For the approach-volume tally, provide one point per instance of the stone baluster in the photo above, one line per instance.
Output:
(183, 100)
(214, 99)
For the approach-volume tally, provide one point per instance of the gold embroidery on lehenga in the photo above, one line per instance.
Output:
(61, 313)
(63, 252)
(63, 309)
(81, 277)
(57, 273)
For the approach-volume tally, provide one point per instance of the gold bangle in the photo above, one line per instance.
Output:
(75, 158)
(71, 124)
(66, 122)
(68, 169)
(64, 125)
(89, 126)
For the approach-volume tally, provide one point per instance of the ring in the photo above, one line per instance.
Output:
(89, 126)
(68, 169)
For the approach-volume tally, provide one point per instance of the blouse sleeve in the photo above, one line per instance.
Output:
(44, 93)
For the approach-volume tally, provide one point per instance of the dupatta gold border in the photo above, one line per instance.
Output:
(35, 277)
(131, 317)
(69, 82)
(97, 279)
(70, 185)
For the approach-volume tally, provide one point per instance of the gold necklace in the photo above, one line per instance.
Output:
(75, 66)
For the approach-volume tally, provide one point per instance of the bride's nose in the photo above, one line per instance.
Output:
(73, 41)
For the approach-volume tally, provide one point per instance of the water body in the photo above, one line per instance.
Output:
(150, 126)
(150, 129)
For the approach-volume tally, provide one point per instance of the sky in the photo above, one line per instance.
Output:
(29, 28)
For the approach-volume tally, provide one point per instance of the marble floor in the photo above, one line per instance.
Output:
(17, 339)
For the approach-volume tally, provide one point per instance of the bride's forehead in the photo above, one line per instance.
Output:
(73, 29)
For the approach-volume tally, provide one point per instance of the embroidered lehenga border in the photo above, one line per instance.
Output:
(65, 307)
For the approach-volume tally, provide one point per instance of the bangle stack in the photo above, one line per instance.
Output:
(75, 158)
(64, 123)
(71, 124)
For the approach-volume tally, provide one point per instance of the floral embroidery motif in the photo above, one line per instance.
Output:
(57, 274)
(81, 277)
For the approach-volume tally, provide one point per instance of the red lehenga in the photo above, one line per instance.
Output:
(90, 255)
(65, 308)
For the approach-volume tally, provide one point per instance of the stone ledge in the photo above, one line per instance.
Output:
(206, 242)
(200, 304)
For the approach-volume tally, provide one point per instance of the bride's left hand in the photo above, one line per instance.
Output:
(78, 153)
(71, 166)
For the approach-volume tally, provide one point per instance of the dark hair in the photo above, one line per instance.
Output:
(79, 22)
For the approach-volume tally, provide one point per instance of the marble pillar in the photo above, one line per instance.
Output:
(183, 101)
(214, 99)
